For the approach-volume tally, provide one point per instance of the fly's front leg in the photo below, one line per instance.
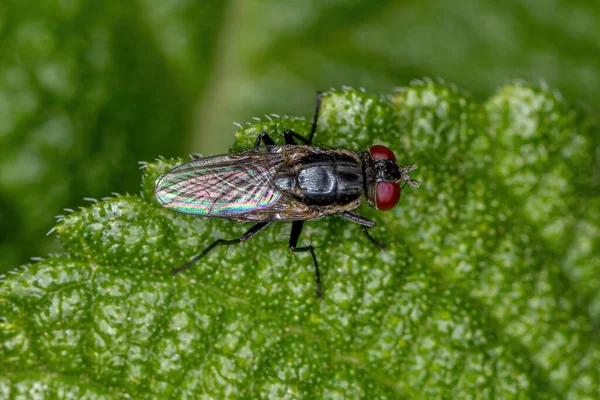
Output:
(266, 139)
(222, 242)
(376, 242)
(365, 225)
(294, 236)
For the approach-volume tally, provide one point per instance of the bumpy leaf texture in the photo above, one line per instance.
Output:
(487, 288)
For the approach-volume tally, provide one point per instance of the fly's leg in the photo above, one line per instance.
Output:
(294, 236)
(350, 216)
(376, 242)
(291, 135)
(288, 135)
(314, 125)
(365, 224)
(266, 139)
(222, 242)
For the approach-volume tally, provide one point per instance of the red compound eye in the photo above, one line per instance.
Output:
(379, 152)
(387, 195)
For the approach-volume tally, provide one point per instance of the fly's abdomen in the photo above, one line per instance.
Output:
(323, 180)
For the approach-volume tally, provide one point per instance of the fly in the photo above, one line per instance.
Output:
(285, 183)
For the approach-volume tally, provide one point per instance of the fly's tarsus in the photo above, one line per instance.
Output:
(376, 242)
(294, 236)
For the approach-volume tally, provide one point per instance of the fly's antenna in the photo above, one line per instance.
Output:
(405, 173)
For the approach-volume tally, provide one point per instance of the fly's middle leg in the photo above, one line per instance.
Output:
(265, 138)
(295, 235)
(222, 242)
(289, 137)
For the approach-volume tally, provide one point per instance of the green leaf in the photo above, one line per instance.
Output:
(478, 296)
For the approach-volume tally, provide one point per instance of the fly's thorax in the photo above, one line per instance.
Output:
(329, 178)
(369, 174)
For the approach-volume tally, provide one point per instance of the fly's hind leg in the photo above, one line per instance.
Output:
(295, 235)
(222, 242)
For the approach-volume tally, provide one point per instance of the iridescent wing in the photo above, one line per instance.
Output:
(221, 186)
(237, 186)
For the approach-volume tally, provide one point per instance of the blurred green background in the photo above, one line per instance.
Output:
(89, 88)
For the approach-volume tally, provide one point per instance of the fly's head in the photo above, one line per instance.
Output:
(385, 178)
